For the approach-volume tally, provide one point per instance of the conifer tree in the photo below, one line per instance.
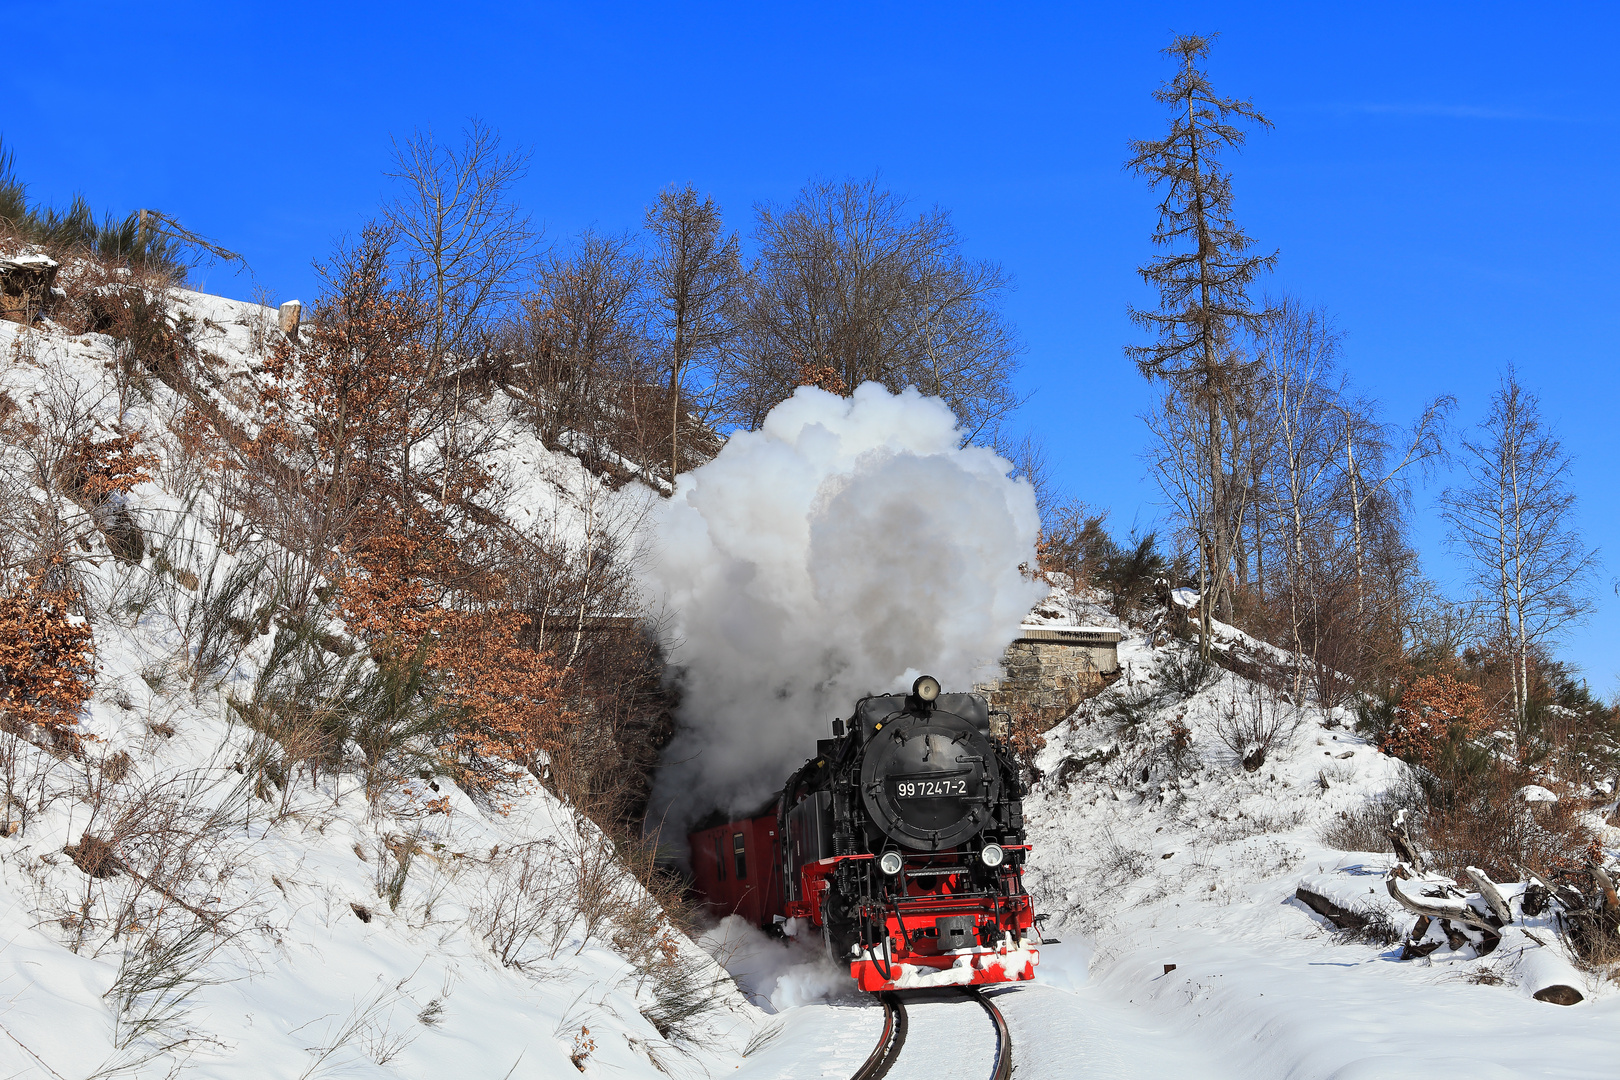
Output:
(1203, 285)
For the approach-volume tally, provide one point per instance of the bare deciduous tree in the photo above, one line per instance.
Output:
(850, 285)
(1513, 521)
(579, 360)
(464, 238)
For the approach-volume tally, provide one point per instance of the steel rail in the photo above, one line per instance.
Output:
(889, 1045)
(1003, 1066)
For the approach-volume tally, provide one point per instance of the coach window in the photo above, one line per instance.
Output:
(741, 856)
(719, 861)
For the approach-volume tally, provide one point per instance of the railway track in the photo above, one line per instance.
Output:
(889, 1043)
(948, 1045)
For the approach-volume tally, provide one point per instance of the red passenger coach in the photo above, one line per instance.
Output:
(736, 866)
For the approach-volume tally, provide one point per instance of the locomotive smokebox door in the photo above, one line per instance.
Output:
(956, 932)
(929, 781)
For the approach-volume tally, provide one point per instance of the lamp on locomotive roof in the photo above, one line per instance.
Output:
(925, 689)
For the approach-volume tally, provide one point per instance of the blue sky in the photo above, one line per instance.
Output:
(1441, 177)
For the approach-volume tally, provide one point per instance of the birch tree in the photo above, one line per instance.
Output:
(1298, 349)
(1514, 523)
(696, 271)
(1373, 464)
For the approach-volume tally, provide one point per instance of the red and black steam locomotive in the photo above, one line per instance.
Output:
(901, 842)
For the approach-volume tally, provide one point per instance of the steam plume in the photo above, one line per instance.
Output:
(841, 550)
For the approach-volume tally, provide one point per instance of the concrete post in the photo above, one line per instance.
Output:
(291, 312)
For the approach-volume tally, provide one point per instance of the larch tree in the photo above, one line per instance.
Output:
(696, 269)
(1514, 523)
(1203, 287)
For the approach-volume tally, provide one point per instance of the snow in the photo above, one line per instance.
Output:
(291, 981)
(820, 1042)
(960, 1034)
(1536, 793)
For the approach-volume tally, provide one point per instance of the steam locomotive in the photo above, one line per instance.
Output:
(901, 843)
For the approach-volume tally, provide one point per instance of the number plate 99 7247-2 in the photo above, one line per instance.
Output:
(931, 789)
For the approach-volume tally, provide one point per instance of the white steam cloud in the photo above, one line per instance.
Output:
(776, 973)
(843, 549)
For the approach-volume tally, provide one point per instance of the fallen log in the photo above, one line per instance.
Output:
(1437, 907)
(1491, 894)
(1340, 917)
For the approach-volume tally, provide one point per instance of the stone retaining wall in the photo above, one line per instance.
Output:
(1050, 670)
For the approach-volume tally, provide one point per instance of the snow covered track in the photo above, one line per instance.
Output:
(1003, 1070)
(888, 1047)
(943, 1041)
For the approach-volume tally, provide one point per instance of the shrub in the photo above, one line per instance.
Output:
(75, 230)
(1183, 672)
(1255, 724)
(94, 472)
(1133, 705)
(1362, 828)
(1474, 818)
(1433, 711)
(1130, 572)
(46, 660)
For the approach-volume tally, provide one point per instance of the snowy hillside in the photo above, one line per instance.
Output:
(1156, 847)
(177, 895)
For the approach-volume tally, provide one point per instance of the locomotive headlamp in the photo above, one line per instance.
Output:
(926, 688)
(991, 855)
(890, 863)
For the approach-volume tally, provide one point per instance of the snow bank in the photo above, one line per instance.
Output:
(1175, 871)
(341, 935)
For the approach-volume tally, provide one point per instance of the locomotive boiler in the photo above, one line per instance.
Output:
(901, 843)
